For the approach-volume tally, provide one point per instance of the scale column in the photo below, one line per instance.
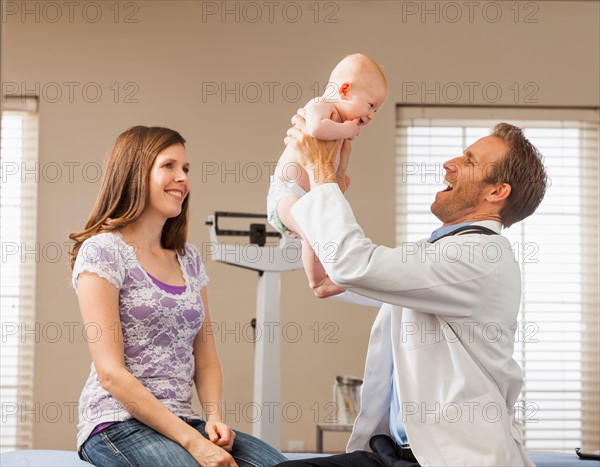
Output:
(267, 359)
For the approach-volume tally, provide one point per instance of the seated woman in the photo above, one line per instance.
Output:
(143, 297)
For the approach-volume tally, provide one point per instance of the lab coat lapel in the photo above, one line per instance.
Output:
(373, 417)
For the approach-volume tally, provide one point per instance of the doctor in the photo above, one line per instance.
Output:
(439, 372)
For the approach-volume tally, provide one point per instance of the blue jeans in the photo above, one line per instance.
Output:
(131, 443)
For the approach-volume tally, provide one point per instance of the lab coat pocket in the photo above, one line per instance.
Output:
(470, 432)
(420, 332)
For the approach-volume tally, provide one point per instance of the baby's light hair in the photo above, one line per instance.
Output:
(354, 65)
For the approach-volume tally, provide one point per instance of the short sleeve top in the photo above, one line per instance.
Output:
(158, 329)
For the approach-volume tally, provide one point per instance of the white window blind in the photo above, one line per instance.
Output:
(557, 248)
(18, 219)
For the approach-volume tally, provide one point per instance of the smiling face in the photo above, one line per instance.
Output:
(169, 182)
(362, 99)
(467, 196)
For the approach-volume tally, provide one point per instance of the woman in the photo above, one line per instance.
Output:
(143, 297)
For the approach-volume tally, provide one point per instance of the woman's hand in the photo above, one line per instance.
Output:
(220, 434)
(208, 454)
(317, 157)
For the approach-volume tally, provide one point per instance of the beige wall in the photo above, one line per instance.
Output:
(171, 53)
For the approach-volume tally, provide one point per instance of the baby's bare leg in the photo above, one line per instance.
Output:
(317, 277)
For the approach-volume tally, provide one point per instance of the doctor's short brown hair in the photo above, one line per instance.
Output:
(522, 167)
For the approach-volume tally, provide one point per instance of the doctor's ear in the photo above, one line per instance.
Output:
(499, 192)
(344, 89)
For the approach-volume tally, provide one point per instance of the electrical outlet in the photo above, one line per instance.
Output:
(296, 445)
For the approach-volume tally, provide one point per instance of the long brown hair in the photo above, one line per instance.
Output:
(124, 192)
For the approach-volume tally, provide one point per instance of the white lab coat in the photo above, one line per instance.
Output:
(447, 326)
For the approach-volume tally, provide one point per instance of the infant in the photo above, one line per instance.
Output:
(356, 90)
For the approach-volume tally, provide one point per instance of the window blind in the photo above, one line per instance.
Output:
(556, 341)
(18, 219)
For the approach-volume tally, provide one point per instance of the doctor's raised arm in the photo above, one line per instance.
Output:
(415, 274)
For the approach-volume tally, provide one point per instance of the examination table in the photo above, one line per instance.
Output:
(42, 458)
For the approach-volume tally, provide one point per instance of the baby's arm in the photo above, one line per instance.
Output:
(320, 125)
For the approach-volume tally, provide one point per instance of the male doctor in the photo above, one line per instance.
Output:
(439, 373)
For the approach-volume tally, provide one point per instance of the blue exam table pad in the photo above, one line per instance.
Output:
(47, 458)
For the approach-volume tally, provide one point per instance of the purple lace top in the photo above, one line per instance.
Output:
(174, 289)
(158, 327)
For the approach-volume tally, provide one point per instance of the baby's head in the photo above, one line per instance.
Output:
(360, 88)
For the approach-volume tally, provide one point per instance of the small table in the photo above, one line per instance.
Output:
(322, 427)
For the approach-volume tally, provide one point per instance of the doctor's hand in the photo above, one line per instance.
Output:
(342, 178)
(317, 157)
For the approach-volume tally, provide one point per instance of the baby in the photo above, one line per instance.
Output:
(356, 90)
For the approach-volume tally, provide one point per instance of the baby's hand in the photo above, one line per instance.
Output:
(352, 127)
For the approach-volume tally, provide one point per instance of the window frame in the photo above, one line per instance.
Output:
(18, 196)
